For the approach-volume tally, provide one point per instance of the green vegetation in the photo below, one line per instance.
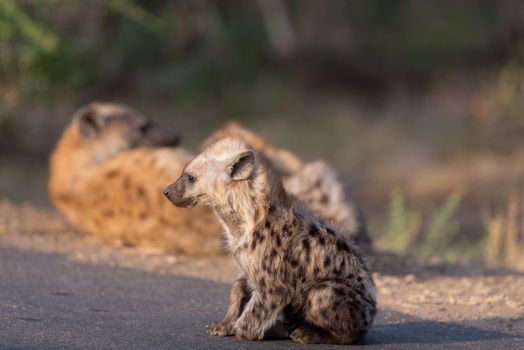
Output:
(442, 227)
(441, 237)
(408, 233)
(216, 50)
(404, 224)
(284, 63)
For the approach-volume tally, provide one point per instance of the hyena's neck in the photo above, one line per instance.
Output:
(251, 205)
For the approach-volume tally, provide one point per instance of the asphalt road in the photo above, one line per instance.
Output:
(49, 302)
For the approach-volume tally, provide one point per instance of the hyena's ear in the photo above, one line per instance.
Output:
(88, 121)
(242, 166)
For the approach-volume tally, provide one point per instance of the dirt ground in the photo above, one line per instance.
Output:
(428, 290)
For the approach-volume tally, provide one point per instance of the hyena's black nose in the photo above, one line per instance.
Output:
(167, 192)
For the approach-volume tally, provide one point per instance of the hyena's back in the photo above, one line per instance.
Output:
(319, 186)
(123, 201)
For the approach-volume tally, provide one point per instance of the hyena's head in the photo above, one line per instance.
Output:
(222, 170)
(110, 128)
(284, 162)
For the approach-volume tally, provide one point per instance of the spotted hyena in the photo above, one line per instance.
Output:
(317, 184)
(107, 174)
(297, 272)
(107, 147)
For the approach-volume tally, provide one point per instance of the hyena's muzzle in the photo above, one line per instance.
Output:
(175, 194)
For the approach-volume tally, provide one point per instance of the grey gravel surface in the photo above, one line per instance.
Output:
(50, 302)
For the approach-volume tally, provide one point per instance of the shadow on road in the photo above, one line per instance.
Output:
(403, 329)
(49, 302)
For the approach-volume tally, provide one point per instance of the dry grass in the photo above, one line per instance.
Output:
(505, 243)
(435, 234)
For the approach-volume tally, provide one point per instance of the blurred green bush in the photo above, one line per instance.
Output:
(186, 50)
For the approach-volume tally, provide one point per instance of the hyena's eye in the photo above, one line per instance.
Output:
(144, 128)
(190, 178)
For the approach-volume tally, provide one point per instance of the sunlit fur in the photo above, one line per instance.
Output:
(297, 272)
(110, 181)
(317, 184)
(110, 184)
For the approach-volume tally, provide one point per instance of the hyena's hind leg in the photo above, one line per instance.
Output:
(307, 333)
(335, 313)
(287, 321)
(238, 299)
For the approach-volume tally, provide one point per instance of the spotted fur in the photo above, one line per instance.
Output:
(107, 178)
(317, 184)
(108, 169)
(300, 277)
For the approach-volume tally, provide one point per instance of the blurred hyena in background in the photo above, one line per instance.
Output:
(111, 163)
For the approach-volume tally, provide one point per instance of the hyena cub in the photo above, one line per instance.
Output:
(316, 184)
(298, 273)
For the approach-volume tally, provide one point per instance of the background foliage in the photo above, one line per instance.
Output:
(419, 103)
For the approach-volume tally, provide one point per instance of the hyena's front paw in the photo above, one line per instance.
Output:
(221, 328)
